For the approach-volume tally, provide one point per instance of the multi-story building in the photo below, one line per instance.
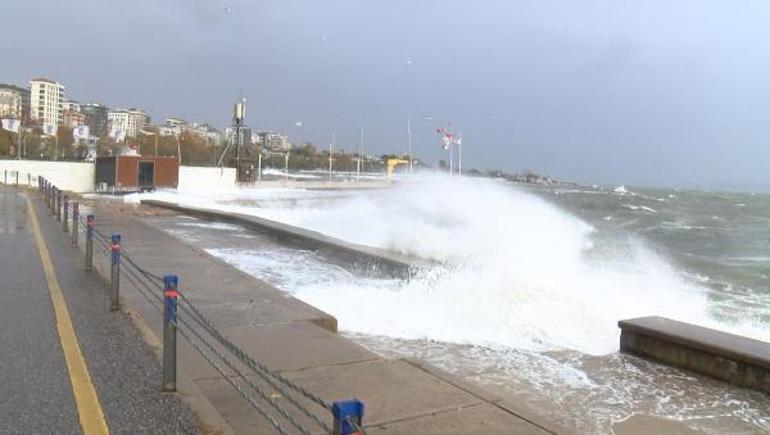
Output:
(131, 121)
(71, 118)
(173, 127)
(45, 102)
(245, 137)
(211, 134)
(96, 118)
(272, 141)
(14, 102)
(70, 106)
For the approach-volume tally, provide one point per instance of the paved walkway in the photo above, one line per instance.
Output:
(301, 343)
(115, 374)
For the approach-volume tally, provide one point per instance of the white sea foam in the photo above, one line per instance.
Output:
(519, 272)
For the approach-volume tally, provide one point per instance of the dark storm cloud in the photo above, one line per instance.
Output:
(650, 92)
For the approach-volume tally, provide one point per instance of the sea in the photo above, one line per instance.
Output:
(526, 284)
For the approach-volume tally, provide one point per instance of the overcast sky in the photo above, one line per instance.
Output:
(640, 92)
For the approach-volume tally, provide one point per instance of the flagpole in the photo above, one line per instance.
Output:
(409, 144)
(460, 154)
(331, 149)
(360, 154)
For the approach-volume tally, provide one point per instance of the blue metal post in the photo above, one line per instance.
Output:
(345, 412)
(89, 242)
(170, 295)
(115, 273)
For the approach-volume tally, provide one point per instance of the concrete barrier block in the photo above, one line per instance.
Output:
(738, 360)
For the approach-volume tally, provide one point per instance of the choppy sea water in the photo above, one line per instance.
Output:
(533, 282)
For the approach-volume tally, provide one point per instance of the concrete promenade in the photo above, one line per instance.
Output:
(67, 365)
(299, 342)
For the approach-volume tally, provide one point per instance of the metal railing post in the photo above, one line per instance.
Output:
(170, 295)
(53, 200)
(17, 177)
(29, 179)
(59, 197)
(115, 272)
(75, 224)
(345, 412)
(89, 242)
(65, 217)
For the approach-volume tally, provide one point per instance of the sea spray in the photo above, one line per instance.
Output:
(515, 270)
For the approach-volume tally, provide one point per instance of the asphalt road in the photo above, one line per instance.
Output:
(36, 393)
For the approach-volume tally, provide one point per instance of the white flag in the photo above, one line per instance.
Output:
(80, 132)
(49, 129)
(11, 124)
(118, 134)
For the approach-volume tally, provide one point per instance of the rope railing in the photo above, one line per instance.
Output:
(137, 272)
(224, 355)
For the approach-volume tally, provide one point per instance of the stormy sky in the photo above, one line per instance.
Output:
(650, 92)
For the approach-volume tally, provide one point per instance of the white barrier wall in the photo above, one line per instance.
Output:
(74, 176)
(200, 178)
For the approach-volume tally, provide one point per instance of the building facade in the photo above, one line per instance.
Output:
(173, 127)
(244, 140)
(131, 121)
(71, 118)
(96, 118)
(14, 102)
(275, 142)
(46, 100)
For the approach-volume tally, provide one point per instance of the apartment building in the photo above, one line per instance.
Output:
(46, 101)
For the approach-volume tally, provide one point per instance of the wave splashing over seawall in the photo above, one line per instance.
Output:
(518, 271)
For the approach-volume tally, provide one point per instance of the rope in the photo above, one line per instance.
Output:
(213, 350)
(264, 373)
(355, 425)
(256, 366)
(139, 277)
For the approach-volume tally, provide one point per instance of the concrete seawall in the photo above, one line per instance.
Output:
(362, 258)
(732, 358)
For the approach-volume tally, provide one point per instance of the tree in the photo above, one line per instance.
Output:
(7, 141)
